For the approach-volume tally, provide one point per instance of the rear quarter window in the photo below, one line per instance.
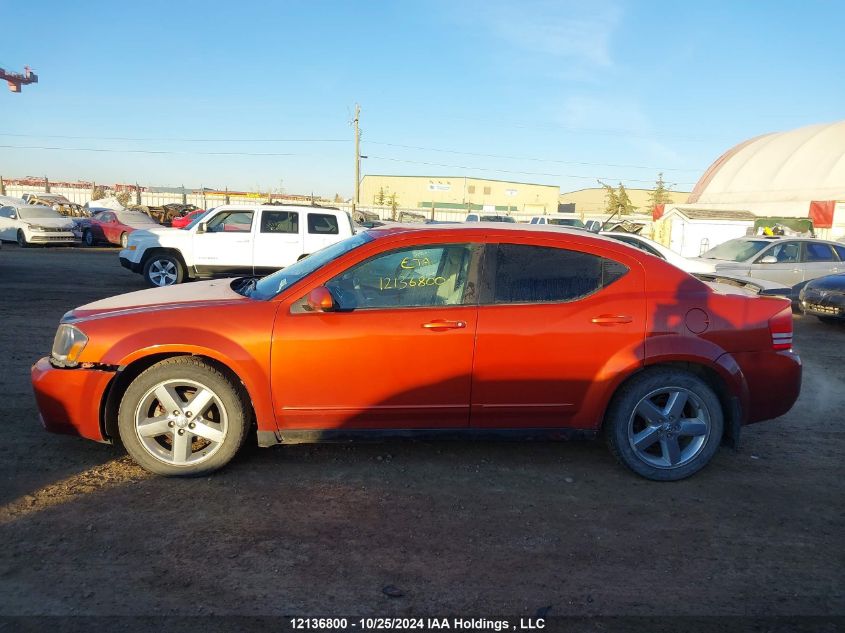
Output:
(540, 274)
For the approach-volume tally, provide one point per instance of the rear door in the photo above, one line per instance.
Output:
(554, 325)
(226, 245)
(278, 242)
(818, 260)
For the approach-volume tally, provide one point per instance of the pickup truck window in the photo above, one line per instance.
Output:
(280, 222)
(322, 224)
(231, 222)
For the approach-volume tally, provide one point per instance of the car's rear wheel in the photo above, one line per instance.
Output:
(20, 238)
(88, 238)
(664, 424)
(163, 270)
(182, 417)
(124, 240)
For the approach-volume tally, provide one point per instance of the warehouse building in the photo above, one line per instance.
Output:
(459, 193)
(796, 174)
(591, 201)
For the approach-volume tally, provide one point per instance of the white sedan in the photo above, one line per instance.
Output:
(658, 250)
(33, 224)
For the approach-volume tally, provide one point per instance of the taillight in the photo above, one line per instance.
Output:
(780, 326)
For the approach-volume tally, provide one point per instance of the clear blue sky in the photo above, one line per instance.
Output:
(551, 92)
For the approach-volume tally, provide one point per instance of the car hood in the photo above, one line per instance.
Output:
(830, 282)
(172, 297)
(53, 223)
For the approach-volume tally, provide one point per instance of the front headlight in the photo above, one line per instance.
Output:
(68, 345)
(35, 227)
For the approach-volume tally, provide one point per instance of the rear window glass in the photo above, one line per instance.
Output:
(539, 274)
(818, 252)
(280, 222)
(840, 250)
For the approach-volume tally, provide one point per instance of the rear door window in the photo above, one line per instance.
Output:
(323, 224)
(280, 222)
(540, 274)
(840, 250)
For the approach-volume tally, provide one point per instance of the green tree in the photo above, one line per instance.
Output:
(611, 200)
(623, 201)
(380, 197)
(660, 194)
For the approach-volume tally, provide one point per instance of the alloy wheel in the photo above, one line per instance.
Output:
(163, 272)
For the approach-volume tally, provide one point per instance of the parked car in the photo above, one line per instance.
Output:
(232, 240)
(658, 250)
(824, 298)
(57, 203)
(31, 224)
(474, 329)
(112, 227)
(489, 217)
(788, 261)
(559, 219)
(182, 221)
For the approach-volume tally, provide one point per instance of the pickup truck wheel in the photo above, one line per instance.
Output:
(124, 240)
(21, 239)
(163, 270)
(664, 424)
(88, 238)
(182, 417)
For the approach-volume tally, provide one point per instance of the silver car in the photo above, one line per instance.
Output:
(791, 261)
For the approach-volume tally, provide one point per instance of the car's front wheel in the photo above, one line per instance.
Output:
(124, 240)
(163, 270)
(88, 238)
(182, 417)
(664, 424)
(20, 238)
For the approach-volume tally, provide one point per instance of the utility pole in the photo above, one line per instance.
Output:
(357, 197)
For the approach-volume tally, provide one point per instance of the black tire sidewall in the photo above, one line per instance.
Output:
(623, 403)
(20, 238)
(88, 238)
(180, 270)
(188, 368)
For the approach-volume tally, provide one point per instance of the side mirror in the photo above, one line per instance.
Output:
(320, 300)
(769, 259)
(202, 227)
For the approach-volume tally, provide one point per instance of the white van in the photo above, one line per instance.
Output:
(233, 240)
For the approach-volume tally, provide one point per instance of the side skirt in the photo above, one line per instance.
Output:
(271, 438)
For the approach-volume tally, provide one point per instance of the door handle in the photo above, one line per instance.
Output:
(611, 319)
(443, 324)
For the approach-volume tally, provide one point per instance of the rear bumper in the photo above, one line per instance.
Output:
(773, 380)
(69, 399)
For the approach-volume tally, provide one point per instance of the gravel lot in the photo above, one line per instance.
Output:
(459, 528)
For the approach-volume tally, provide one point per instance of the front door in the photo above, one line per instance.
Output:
(782, 265)
(397, 353)
(555, 325)
(226, 245)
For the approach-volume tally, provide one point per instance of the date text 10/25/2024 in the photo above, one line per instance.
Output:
(416, 624)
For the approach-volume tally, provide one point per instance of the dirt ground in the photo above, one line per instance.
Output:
(457, 528)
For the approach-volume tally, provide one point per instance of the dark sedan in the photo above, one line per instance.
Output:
(825, 298)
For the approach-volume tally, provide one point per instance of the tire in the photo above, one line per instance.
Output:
(161, 432)
(163, 270)
(124, 240)
(20, 238)
(88, 238)
(659, 442)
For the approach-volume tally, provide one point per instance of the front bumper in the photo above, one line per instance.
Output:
(69, 399)
(52, 238)
(823, 304)
(135, 267)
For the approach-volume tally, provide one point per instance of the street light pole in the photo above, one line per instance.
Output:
(356, 200)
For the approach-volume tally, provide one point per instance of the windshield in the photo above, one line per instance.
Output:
(736, 250)
(497, 218)
(198, 218)
(273, 284)
(32, 213)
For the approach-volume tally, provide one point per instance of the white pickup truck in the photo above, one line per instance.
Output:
(233, 240)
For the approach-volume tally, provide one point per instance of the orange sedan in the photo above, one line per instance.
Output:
(428, 330)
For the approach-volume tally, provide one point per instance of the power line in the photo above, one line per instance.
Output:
(145, 151)
(529, 158)
(180, 140)
(511, 171)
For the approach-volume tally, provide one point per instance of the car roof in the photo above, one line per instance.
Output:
(486, 227)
